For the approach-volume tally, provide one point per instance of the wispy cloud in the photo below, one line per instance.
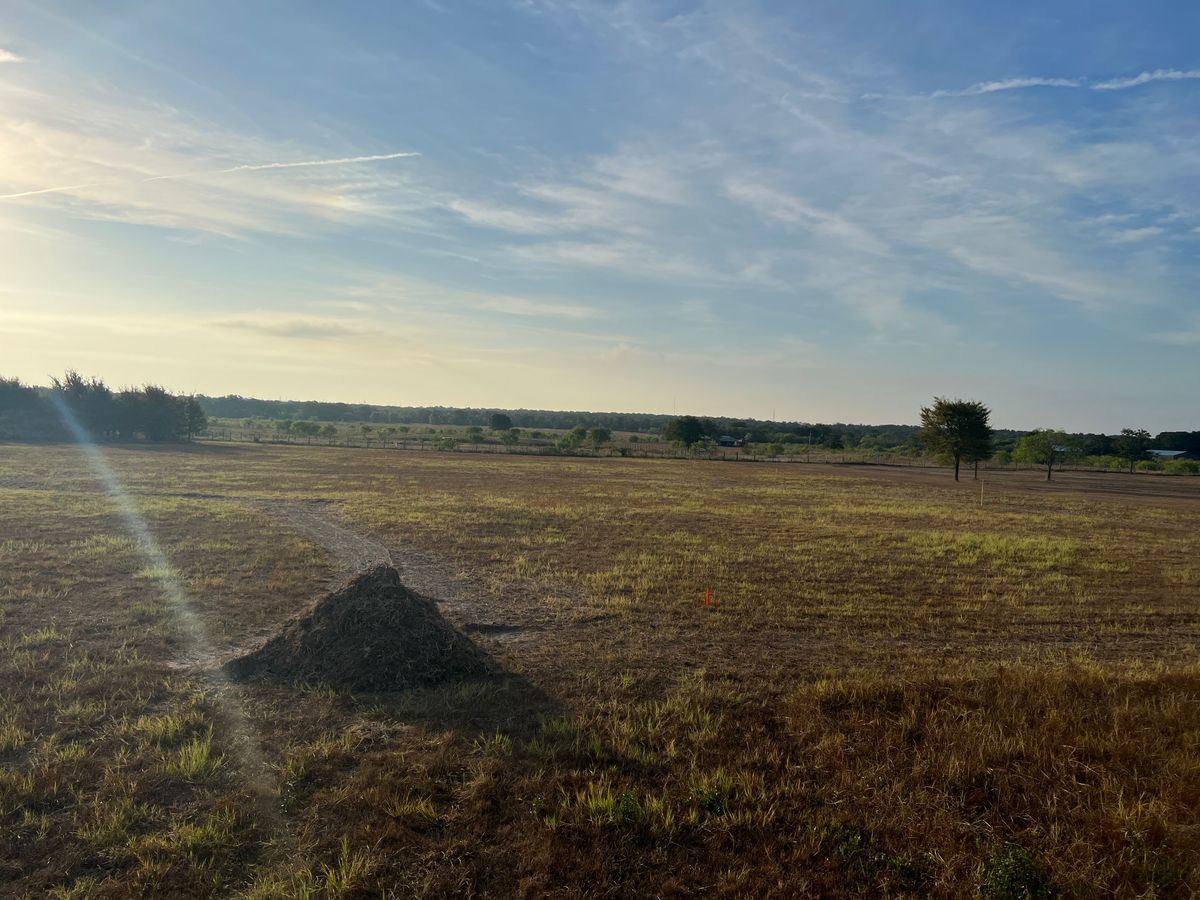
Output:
(1120, 84)
(521, 306)
(317, 329)
(1188, 335)
(1136, 235)
(210, 173)
(1081, 83)
(7, 56)
(780, 205)
(1011, 84)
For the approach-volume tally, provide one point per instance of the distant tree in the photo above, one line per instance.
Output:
(1188, 441)
(306, 429)
(89, 401)
(329, 431)
(957, 430)
(1098, 444)
(24, 414)
(687, 430)
(633, 439)
(1044, 447)
(1133, 445)
(194, 416)
(599, 436)
(162, 416)
(284, 425)
(573, 438)
(510, 437)
(500, 422)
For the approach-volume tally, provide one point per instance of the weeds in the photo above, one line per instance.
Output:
(194, 759)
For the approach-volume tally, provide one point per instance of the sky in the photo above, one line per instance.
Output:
(828, 211)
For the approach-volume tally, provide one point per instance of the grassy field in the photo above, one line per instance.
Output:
(897, 689)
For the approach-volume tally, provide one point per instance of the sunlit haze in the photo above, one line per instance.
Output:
(820, 211)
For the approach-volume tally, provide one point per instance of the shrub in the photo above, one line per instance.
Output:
(1013, 874)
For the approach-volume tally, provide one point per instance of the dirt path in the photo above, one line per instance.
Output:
(352, 551)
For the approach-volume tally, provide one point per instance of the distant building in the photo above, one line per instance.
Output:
(726, 440)
(1166, 455)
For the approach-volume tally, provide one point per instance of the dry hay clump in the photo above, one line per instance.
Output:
(373, 634)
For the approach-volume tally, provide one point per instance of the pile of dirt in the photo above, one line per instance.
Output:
(374, 634)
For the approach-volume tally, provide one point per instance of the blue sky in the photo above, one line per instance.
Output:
(828, 210)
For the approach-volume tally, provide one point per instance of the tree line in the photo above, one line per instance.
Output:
(957, 430)
(150, 412)
(830, 436)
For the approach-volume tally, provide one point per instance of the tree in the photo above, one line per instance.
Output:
(89, 400)
(1133, 445)
(686, 429)
(1042, 446)
(329, 431)
(194, 416)
(599, 436)
(573, 438)
(306, 429)
(510, 437)
(500, 422)
(957, 430)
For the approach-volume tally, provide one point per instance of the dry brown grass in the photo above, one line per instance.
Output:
(896, 692)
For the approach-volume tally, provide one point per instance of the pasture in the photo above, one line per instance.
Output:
(897, 689)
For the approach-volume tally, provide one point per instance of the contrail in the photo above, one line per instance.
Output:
(283, 165)
(341, 161)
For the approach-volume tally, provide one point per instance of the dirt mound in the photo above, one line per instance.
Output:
(374, 634)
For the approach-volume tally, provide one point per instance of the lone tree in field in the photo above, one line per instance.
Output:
(500, 422)
(1133, 445)
(1042, 446)
(958, 430)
